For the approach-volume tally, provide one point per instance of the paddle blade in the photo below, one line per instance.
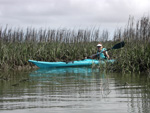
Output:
(119, 45)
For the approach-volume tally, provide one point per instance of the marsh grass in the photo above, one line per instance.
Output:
(17, 46)
(134, 57)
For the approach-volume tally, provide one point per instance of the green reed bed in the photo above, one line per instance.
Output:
(17, 46)
(132, 58)
(18, 54)
(135, 56)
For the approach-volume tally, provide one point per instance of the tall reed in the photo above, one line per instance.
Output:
(18, 45)
(134, 57)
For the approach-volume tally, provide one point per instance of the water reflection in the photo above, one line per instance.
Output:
(75, 90)
(61, 75)
(86, 71)
(78, 80)
(81, 80)
(136, 92)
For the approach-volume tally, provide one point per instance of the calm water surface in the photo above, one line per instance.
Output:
(73, 90)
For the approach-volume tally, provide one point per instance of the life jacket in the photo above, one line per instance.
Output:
(101, 54)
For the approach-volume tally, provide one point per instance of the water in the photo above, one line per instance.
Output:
(73, 90)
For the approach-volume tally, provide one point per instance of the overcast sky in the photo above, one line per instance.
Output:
(106, 14)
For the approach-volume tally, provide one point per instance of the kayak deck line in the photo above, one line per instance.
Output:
(85, 62)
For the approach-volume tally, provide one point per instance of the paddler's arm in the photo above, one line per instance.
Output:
(106, 54)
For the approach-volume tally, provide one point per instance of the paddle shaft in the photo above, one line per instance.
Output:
(95, 55)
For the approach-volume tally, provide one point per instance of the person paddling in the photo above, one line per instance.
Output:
(102, 52)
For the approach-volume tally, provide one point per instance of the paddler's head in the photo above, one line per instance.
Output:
(99, 46)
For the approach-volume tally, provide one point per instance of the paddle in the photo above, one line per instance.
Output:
(116, 46)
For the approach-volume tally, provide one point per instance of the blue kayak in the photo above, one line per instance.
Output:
(85, 62)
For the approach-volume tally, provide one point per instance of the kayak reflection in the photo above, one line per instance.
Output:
(79, 79)
(58, 75)
(86, 71)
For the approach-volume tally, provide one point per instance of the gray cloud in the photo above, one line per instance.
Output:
(82, 13)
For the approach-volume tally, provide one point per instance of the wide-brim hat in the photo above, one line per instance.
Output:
(98, 45)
